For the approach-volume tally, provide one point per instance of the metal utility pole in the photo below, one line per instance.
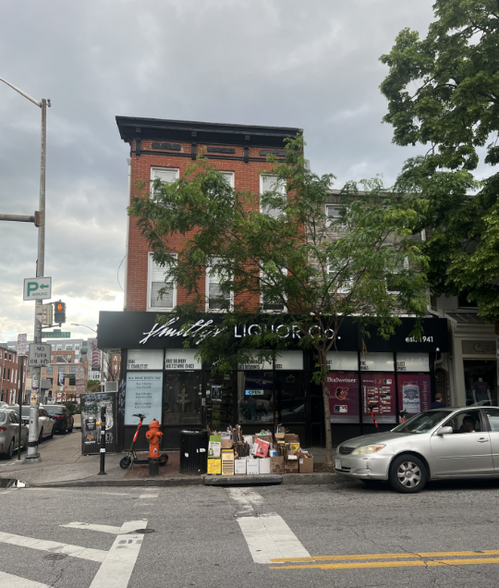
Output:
(32, 453)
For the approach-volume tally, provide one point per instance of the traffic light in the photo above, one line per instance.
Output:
(59, 312)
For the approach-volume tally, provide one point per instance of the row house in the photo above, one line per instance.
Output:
(163, 380)
(11, 368)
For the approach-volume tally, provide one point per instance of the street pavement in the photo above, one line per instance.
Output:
(62, 464)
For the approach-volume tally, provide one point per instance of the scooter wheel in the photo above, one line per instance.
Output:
(163, 459)
(125, 462)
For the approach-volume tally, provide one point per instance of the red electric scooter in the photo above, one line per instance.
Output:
(131, 455)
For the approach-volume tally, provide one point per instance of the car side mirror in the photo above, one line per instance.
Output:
(445, 431)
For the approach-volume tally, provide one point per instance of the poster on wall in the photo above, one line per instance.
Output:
(144, 392)
(414, 392)
(91, 408)
(343, 397)
(378, 390)
(144, 359)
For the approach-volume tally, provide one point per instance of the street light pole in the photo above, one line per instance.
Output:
(32, 452)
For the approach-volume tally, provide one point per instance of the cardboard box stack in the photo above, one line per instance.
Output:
(230, 453)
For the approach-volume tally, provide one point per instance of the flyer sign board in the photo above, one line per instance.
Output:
(343, 397)
(414, 392)
(378, 389)
(144, 394)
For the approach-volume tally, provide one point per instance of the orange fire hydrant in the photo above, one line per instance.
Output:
(153, 436)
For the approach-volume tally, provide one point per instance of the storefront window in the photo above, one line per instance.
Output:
(255, 392)
(480, 381)
(182, 398)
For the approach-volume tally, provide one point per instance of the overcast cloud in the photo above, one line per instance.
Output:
(313, 65)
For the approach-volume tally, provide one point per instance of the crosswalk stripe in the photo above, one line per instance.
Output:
(17, 582)
(53, 546)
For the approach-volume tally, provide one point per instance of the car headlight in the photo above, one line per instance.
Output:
(366, 449)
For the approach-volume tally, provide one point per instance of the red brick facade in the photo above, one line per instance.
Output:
(175, 144)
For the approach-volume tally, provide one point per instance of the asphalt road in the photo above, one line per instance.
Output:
(342, 534)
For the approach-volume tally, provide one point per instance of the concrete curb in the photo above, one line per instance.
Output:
(204, 480)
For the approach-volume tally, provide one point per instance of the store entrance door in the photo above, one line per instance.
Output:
(219, 401)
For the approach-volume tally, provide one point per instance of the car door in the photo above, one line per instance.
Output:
(463, 453)
(492, 420)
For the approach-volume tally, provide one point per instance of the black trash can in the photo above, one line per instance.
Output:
(193, 452)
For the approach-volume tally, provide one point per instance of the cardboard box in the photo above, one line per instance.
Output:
(292, 438)
(306, 465)
(267, 437)
(240, 467)
(277, 465)
(214, 466)
(227, 462)
(280, 436)
(253, 467)
(291, 467)
(265, 465)
(227, 443)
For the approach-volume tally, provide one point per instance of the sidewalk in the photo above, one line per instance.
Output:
(62, 464)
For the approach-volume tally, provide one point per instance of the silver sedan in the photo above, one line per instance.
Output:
(9, 432)
(438, 444)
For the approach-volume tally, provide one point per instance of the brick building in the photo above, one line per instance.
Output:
(10, 370)
(162, 379)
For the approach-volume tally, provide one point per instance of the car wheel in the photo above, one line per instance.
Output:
(40, 436)
(51, 436)
(10, 450)
(407, 474)
(70, 429)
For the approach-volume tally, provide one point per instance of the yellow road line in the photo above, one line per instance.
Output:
(386, 556)
(394, 564)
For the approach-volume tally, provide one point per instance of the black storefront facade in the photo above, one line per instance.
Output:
(165, 381)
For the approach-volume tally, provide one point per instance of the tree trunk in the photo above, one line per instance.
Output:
(327, 414)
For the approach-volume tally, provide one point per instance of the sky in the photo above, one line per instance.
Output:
(312, 65)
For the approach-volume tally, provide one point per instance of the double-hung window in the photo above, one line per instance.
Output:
(270, 298)
(216, 298)
(165, 174)
(270, 183)
(391, 280)
(334, 213)
(344, 282)
(162, 292)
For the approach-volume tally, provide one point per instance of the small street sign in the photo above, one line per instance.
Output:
(37, 288)
(22, 341)
(39, 354)
(57, 335)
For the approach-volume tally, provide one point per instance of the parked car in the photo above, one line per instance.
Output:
(9, 432)
(61, 416)
(439, 444)
(45, 422)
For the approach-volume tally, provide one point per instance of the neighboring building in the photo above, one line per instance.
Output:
(166, 381)
(10, 370)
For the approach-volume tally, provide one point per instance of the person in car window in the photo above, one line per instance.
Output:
(468, 425)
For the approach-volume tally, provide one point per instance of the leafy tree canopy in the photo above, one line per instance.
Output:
(443, 92)
(282, 251)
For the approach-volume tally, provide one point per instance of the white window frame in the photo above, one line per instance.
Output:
(405, 266)
(211, 278)
(229, 176)
(333, 217)
(345, 289)
(152, 272)
(281, 187)
(168, 175)
(262, 302)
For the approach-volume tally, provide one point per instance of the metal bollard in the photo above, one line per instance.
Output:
(102, 441)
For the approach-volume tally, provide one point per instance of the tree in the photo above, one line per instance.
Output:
(443, 92)
(285, 252)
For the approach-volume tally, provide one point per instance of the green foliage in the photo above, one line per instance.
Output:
(320, 270)
(73, 407)
(443, 92)
(92, 385)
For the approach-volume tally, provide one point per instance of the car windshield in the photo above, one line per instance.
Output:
(423, 422)
(54, 409)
